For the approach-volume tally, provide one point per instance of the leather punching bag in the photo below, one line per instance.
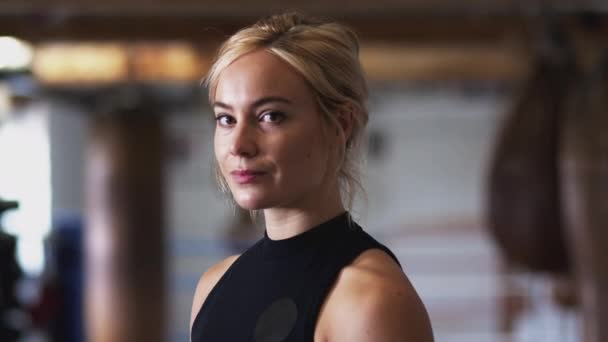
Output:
(524, 192)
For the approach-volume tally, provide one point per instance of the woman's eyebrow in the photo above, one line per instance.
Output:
(270, 99)
(257, 103)
(221, 105)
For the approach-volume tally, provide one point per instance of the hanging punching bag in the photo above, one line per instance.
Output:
(524, 193)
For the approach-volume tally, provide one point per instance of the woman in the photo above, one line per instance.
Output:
(288, 95)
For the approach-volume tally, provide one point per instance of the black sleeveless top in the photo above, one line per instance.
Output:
(274, 291)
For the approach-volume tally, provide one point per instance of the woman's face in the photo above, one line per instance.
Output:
(269, 140)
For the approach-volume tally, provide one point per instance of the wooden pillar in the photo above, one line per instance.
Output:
(125, 259)
(584, 177)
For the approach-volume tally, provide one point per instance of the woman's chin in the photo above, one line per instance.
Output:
(250, 202)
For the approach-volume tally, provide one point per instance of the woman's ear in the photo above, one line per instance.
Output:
(346, 117)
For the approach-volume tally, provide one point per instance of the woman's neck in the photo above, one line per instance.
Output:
(283, 223)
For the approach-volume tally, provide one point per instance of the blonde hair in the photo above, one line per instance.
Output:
(326, 54)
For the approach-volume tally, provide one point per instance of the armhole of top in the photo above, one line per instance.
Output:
(318, 302)
(210, 296)
(388, 252)
(375, 244)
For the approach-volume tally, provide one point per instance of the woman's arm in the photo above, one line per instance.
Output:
(373, 301)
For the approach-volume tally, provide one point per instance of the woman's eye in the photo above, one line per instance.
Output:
(224, 120)
(273, 117)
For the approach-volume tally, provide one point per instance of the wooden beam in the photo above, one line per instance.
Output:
(396, 26)
(389, 27)
(227, 8)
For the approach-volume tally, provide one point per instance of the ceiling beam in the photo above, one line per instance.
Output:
(225, 8)
(388, 27)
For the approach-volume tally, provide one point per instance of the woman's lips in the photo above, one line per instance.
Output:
(246, 176)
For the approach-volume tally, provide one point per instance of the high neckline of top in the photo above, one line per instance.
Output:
(307, 240)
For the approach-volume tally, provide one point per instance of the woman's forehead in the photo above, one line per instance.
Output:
(257, 75)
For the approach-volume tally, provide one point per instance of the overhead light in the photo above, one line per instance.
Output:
(14, 54)
(173, 61)
(81, 63)
(98, 63)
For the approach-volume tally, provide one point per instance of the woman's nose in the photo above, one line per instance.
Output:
(243, 142)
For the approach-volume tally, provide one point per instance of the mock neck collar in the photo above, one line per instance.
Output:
(307, 240)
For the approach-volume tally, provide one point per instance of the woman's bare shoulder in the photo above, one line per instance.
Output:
(373, 300)
(206, 283)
